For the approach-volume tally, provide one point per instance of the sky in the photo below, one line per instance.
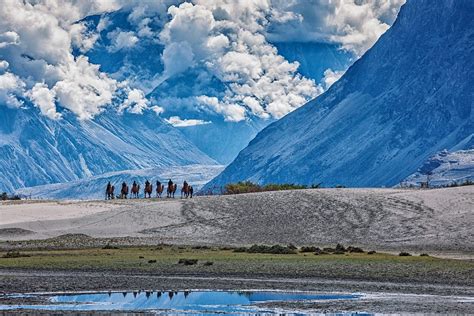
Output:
(46, 48)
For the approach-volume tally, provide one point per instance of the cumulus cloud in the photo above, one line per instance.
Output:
(11, 90)
(9, 38)
(330, 77)
(226, 40)
(37, 39)
(121, 40)
(44, 98)
(355, 24)
(136, 102)
(176, 121)
(232, 47)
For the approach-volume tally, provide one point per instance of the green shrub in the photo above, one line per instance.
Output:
(308, 249)
(404, 254)
(355, 249)
(14, 254)
(275, 249)
(250, 187)
(188, 262)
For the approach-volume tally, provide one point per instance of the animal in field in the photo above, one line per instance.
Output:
(186, 190)
(159, 189)
(148, 189)
(109, 191)
(135, 190)
(172, 187)
(124, 191)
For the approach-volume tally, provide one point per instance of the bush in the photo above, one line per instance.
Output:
(424, 255)
(291, 246)
(340, 248)
(4, 196)
(309, 249)
(275, 249)
(320, 252)
(14, 254)
(250, 187)
(208, 263)
(109, 246)
(404, 254)
(188, 262)
(355, 249)
(371, 252)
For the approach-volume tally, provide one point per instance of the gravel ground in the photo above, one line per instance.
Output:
(441, 298)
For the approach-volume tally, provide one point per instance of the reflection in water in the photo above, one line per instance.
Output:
(188, 302)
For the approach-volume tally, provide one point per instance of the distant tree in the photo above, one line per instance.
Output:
(4, 196)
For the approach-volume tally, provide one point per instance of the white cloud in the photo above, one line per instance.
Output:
(157, 109)
(176, 121)
(136, 102)
(38, 39)
(234, 49)
(9, 38)
(3, 65)
(11, 88)
(44, 98)
(84, 90)
(330, 77)
(355, 24)
(122, 40)
(228, 40)
(177, 57)
(232, 112)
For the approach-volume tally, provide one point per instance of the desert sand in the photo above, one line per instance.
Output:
(438, 220)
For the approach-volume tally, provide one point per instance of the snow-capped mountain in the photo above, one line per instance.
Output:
(36, 150)
(94, 187)
(409, 97)
(444, 168)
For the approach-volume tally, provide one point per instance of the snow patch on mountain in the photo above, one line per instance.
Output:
(444, 168)
(94, 187)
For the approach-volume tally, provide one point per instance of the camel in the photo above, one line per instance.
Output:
(187, 190)
(159, 189)
(124, 191)
(171, 189)
(109, 191)
(148, 189)
(135, 190)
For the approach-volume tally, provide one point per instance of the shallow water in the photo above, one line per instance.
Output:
(187, 302)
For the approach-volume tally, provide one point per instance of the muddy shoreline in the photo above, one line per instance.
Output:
(398, 297)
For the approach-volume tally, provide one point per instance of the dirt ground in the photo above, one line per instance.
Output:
(438, 222)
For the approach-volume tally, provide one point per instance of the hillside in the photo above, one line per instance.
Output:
(409, 97)
(36, 150)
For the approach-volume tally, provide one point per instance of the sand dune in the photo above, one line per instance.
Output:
(425, 220)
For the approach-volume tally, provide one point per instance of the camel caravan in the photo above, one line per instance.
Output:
(186, 190)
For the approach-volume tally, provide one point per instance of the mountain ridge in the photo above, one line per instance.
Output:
(391, 110)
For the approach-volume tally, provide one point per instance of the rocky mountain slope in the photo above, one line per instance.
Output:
(35, 150)
(409, 97)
